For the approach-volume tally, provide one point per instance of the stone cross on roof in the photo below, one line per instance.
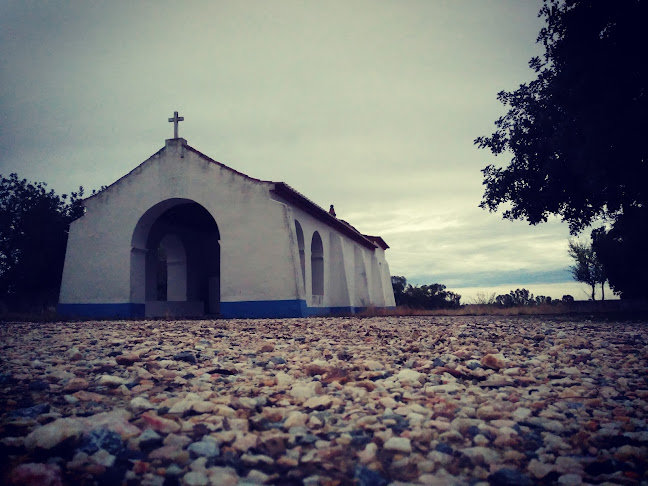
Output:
(175, 121)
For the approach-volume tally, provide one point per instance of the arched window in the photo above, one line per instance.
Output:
(302, 254)
(317, 265)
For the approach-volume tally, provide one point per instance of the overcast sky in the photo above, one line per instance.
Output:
(369, 105)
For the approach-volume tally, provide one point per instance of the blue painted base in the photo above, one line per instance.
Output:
(101, 310)
(246, 309)
(263, 308)
(279, 308)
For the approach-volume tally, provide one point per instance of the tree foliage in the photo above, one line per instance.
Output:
(515, 298)
(399, 284)
(623, 253)
(483, 298)
(433, 296)
(33, 235)
(524, 298)
(587, 268)
(576, 132)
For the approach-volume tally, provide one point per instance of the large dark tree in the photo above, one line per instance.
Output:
(623, 252)
(33, 234)
(577, 132)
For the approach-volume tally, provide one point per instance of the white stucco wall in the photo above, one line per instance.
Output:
(346, 283)
(259, 253)
(256, 250)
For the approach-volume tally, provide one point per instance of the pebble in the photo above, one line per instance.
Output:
(76, 384)
(127, 359)
(494, 361)
(570, 480)
(318, 403)
(296, 419)
(368, 455)
(160, 424)
(539, 469)
(381, 400)
(509, 477)
(283, 378)
(101, 439)
(103, 458)
(30, 412)
(149, 438)
(36, 474)
(482, 455)
(411, 375)
(373, 365)
(70, 399)
(195, 478)
(400, 444)
(111, 380)
(187, 356)
(368, 477)
(521, 414)
(447, 388)
(304, 391)
(53, 433)
(141, 403)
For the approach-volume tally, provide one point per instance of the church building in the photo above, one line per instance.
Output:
(184, 235)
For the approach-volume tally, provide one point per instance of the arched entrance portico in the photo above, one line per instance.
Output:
(175, 260)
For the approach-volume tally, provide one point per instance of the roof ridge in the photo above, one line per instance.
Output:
(297, 198)
(282, 189)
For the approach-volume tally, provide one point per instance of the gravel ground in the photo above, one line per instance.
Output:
(330, 401)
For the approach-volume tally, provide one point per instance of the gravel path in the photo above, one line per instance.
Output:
(335, 401)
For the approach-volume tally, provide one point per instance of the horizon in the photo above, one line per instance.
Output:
(372, 108)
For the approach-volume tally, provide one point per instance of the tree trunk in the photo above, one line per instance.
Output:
(593, 292)
(602, 290)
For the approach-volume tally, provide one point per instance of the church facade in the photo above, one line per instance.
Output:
(184, 235)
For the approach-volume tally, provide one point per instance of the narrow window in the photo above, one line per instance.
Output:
(302, 254)
(317, 265)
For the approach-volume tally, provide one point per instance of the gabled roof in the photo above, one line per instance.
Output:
(302, 202)
(378, 241)
(284, 191)
(184, 143)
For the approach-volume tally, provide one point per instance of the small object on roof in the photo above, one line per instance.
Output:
(175, 121)
(332, 211)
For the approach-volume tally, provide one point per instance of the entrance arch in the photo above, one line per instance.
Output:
(175, 260)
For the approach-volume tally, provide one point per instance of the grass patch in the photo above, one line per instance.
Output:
(578, 307)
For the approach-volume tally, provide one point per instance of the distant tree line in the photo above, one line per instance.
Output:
(434, 296)
(522, 297)
(34, 223)
(518, 298)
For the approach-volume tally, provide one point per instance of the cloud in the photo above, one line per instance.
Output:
(521, 277)
(467, 241)
(369, 106)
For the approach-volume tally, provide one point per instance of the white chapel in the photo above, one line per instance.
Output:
(184, 235)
